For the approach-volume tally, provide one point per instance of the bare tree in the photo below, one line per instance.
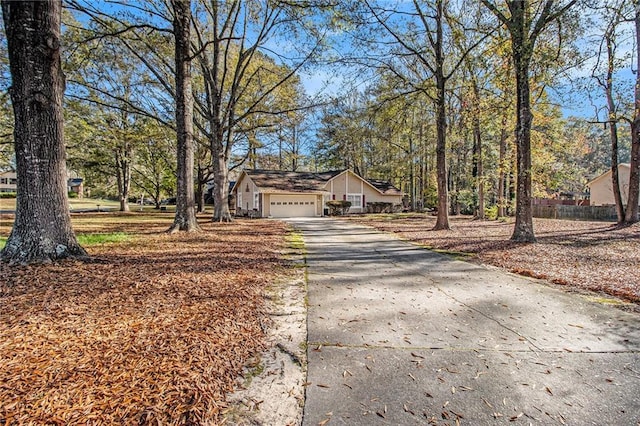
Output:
(185, 218)
(42, 229)
(420, 58)
(525, 26)
(631, 215)
(241, 79)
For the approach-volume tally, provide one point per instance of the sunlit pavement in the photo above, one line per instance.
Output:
(400, 335)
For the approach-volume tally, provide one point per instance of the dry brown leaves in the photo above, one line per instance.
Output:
(154, 332)
(588, 255)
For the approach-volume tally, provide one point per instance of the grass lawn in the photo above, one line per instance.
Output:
(593, 256)
(74, 203)
(154, 331)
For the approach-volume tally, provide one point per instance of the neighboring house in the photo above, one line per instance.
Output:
(76, 185)
(601, 189)
(8, 182)
(272, 193)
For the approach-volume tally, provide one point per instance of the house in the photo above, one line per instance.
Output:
(273, 193)
(76, 186)
(601, 189)
(8, 181)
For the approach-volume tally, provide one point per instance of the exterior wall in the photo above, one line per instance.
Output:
(8, 182)
(245, 195)
(373, 196)
(343, 185)
(348, 183)
(601, 189)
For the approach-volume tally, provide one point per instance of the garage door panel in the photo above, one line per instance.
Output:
(292, 205)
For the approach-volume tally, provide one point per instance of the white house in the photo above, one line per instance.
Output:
(601, 189)
(274, 193)
(8, 182)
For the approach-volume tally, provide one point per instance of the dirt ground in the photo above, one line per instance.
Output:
(592, 256)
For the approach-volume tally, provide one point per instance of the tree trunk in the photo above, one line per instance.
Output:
(42, 229)
(615, 180)
(199, 193)
(442, 220)
(502, 162)
(631, 215)
(613, 128)
(123, 173)
(185, 218)
(221, 211)
(477, 139)
(523, 230)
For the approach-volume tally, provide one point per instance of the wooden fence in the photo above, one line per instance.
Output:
(605, 213)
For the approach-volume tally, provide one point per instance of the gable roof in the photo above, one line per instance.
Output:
(385, 187)
(283, 181)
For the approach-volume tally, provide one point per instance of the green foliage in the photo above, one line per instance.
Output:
(95, 239)
(491, 212)
(467, 200)
(7, 195)
(338, 207)
(92, 239)
(72, 194)
(379, 207)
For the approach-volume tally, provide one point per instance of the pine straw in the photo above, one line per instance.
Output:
(154, 332)
(594, 256)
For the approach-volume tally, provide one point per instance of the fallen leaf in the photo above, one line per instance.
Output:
(514, 418)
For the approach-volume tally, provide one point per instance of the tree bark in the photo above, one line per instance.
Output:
(442, 220)
(613, 126)
(477, 139)
(631, 215)
(42, 229)
(123, 173)
(221, 211)
(523, 230)
(502, 165)
(185, 218)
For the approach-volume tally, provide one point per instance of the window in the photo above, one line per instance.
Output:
(3, 181)
(356, 200)
(239, 199)
(256, 200)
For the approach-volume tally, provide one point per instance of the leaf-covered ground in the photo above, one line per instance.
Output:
(586, 255)
(155, 331)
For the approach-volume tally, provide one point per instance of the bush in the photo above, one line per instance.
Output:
(7, 195)
(72, 194)
(491, 213)
(379, 207)
(338, 207)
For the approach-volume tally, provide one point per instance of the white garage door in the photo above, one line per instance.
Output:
(293, 205)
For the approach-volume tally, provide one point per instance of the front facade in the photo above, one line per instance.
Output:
(8, 182)
(271, 193)
(601, 188)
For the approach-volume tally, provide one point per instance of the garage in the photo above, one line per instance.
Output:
(292, 205)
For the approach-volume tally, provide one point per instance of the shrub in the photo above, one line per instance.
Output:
(7, 195)
(338, 207)
(72, 194)
(491, 213)
(379, 207)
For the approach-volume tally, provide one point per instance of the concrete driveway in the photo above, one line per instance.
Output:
(399, 335)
